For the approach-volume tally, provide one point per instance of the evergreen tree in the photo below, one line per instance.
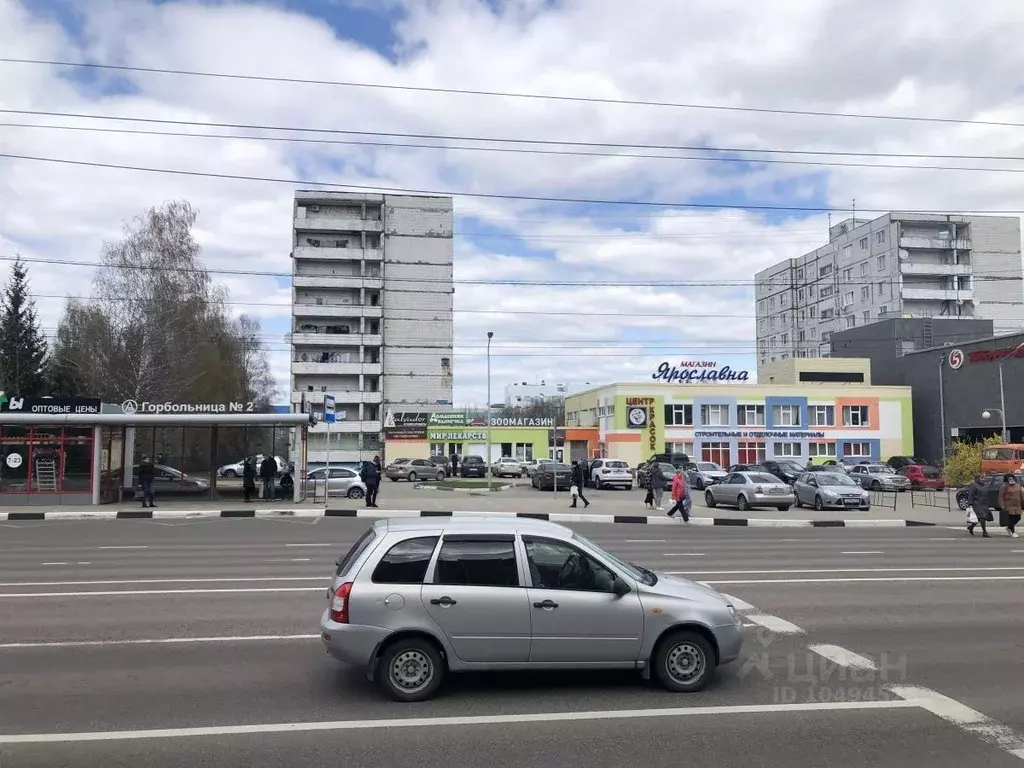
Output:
(22, 343)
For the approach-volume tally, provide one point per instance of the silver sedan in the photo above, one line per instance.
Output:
(830, 490)
(746, 490)
(343, 482)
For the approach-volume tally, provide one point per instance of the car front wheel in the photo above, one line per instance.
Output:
(961, 501)
(412, 477)
(411, 670)
(355, 493)
(819, 505)
(230, 473)
(709, 500)
(684, 662)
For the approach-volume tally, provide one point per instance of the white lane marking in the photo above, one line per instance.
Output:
(53, 563)
(127, 546)
(683, 554)
(441, 722)
(856, 579)
(159, 641)
(970, 720)
(867, 552)
(126, 592)
(184, 580)
(84, 562)
(843, 657)
(289, 560)
(774, 624)
(739, 605)
(854, 570)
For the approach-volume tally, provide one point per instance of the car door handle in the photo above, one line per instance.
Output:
(546, 604)
(445, 601)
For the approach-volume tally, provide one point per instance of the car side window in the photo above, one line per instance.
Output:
(341, 472)
(596, 464)
(737, 479)
(406, 562)
(557, 565)
(482, 561)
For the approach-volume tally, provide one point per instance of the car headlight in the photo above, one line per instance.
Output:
(830, 494)
(733, 615)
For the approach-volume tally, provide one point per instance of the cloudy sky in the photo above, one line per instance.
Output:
(609, 290)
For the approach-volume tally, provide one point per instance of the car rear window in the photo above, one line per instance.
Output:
(472, 460)
(616, 464)
(357, 549)
(931, 472)
(406, 562)
(758, 478)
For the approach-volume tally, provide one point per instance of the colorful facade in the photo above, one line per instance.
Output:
(746, 423)
(420, 435)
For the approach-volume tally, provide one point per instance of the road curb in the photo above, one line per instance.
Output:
(555, 517)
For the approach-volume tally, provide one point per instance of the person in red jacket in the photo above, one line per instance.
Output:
(681, 497)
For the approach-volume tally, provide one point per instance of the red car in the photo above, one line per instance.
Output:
(922, 476)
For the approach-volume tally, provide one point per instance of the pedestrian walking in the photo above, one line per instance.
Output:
(658, 482)
(268, 471)
(576, 489)
(249, 478)
(370, 475)
(455, 465)
(1011, 499)
(146, 475)
(978, 512)
(681, 497)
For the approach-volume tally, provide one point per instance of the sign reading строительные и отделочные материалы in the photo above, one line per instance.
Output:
(698, 372)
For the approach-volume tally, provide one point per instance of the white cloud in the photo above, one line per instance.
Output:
(937, 57)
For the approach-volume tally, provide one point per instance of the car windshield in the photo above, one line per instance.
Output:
(647, 578)
(881, 469)
(831, 478)
(759, 478)
(709, 466)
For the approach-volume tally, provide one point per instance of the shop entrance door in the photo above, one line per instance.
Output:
(111, 464)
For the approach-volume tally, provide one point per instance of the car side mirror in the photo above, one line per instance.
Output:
(620, 587)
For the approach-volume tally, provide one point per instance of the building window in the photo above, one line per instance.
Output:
(800, 274)
(825, 270)
(821, 449)
(855, 416)
(684, 448)
(826, 336)
(823, 415)
(882, 288)
(787, 449)
(848, 298)
(785, 299)
(782, 318)
(826, 291)
(810, 291)
(880, 236)
(800, 295)
(828, 314)
(881, 262)
(847, 274)
(857, 449)
(784, 340)
(867, 316)
(771, 303)
(883, 309)
(851, 321)
(750, 416)
(714, 415)
(863, 243)
(678, 415)
(863, 268)
(750, 452)
(786, 415)
(847, 249)
(865, 293)
(771, 321)
(760, 306)
(716, 452)
(813, 311)
(773, 341)
(801, 336)
(524, 451)
(56, 459)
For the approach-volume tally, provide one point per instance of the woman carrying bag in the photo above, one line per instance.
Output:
(1011, 499)
(978, 513)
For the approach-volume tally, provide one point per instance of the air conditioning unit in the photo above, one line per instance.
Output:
(313, 208)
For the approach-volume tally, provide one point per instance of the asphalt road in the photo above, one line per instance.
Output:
(194, 643)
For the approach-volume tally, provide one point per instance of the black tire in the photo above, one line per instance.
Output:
(709, 500)
(412, 477)
(962, 502)
(230, 473)
(875, 485)
(797, 503)
(598, 484)
(355, 493)
(784, 508)
(399, 662)
(699, 483)
(684, 662)
(742, 504)
(819, 504)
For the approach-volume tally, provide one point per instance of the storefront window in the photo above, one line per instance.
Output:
(751, 452)
(716, 452)
(45, 459)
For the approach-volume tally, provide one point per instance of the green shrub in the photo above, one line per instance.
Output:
(964, 461)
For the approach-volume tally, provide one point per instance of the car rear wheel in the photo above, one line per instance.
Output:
(784, 508)
(440, 476)
(411, 670)
(684, 662)
(709, 500)
(412, 477)
(599, 484)
(819, 504)
(741, 503)
(799, 504)
(961, 501)
(230, 473)
(875, 485)
(355, 493)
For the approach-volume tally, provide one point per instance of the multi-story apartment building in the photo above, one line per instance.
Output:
(372, 296)
(898, 265)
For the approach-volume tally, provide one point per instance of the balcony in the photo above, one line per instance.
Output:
(335, 254)
(308, 309)
(336, 369)
(337, 339)
(313, 222)
(935, 243)
(348, 427)
(337, 281)
(933, 268)
(936, 294)
(342, 399)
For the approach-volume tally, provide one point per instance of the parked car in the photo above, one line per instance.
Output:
(416, 599)
(921, 477)
(786, 471)
(235, 470)
(643, 476)
(824, 468)
(342, 481)
(168, 481)
(506, 466)
(830, 490)
(551, 475)
(1002, 458)
(701, 474)
(675, 459)
(992, 483)
(472, 466)
(530, 465)
(442, 462)
(610, 473)
(746, 490)
(879, 477)
(898, 462)
(413, 470)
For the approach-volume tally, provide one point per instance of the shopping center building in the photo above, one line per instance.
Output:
(800, 409)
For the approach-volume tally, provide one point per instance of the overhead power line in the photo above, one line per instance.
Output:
(508, 94)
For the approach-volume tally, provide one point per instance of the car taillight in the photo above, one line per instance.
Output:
(339, 603)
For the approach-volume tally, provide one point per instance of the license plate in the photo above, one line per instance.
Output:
(776, 491)
(852, 502)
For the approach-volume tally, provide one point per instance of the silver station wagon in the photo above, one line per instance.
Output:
(417, 598)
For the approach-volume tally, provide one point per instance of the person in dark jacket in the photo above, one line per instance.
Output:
(1010, 501)
(146, 475)
(370, 475)
(578, 476)
(378, 464)
(249, 478)
(268, 471)
(658, 482)
(287, 485)
(978, 499)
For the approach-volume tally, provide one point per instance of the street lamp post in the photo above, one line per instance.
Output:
(987, 414)
(487, 466)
